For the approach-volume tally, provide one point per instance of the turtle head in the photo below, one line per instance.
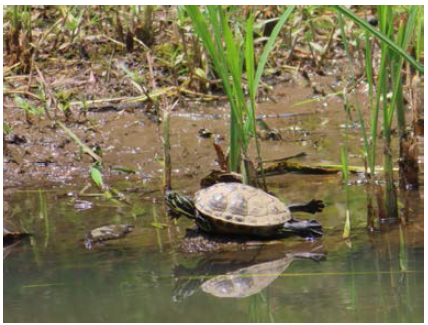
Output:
(179, 205)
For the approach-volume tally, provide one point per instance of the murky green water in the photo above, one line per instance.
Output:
(374, 277)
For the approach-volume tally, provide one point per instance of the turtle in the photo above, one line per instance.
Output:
(107, 232)
(239, 209)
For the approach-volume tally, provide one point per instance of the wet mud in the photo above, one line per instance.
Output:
(41, 154)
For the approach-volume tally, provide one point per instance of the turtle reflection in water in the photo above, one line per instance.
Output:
(239, 273)
(107, 232)
(238, 209)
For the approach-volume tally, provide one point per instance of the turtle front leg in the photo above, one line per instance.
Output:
(203, 222)
(313, 206)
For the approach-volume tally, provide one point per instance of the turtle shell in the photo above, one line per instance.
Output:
(241, 209)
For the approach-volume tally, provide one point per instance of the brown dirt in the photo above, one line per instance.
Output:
(40, 154)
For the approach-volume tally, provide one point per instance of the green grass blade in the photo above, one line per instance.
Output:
(393, 46)
(369, 69)
(96, 176)
(250, 126)
(269, 45)
(419, 28)
(351, 67)
(217, 54)
(84, 147)
(404, 40)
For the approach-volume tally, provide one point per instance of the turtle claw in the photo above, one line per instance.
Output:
(315, 206)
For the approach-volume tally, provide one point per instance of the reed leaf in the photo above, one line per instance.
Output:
(84, 147)
(360, 117)
(228, 52)
(382, 37)
(270, 43)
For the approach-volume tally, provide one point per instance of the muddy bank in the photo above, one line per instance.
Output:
(40, 154)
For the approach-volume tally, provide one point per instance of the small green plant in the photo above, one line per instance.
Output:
(28, 107)
(6, 128)
(96, 176)
(18, 37)
(64, 100)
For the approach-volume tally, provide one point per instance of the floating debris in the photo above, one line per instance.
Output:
(204, 133)
(108, 232)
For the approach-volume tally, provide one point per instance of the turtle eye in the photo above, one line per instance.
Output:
(171, 196)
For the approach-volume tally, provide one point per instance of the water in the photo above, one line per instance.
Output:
(373, 277)
(51, 277)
